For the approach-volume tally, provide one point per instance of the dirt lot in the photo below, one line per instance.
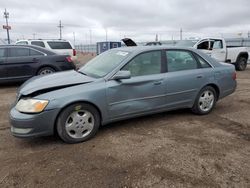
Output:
(173, 149)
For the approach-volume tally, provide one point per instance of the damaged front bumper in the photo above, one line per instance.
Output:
(32, 125)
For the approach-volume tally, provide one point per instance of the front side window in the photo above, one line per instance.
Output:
(180, 60)
(203, 45)
(19, 52)
(145, 64)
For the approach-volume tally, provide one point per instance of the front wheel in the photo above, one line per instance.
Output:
(77, 123)
(241, 64)
(205, 101)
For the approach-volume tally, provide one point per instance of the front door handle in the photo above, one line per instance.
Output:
(157, 83)
(199, 76)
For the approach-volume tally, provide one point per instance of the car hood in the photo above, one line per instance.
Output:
(54, 81)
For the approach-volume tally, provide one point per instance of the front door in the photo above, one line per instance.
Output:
(144, 91)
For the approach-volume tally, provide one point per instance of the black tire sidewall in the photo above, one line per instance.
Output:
(238, 64)
(60, 125)
(196, 108)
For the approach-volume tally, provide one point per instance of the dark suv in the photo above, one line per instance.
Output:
(21, 62)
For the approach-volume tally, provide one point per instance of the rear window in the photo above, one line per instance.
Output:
(59, 45)
(38, 43)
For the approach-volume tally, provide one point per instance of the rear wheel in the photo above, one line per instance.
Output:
(241, 64)
(46, 70)
(205, 101)
(77, 123)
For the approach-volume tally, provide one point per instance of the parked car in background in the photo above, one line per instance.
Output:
(21, 62)
(63, 47)
(119, 84)
(218, 49)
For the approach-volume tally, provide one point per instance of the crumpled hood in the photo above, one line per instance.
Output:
(56, 80)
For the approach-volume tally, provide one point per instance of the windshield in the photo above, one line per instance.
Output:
(186, 43)
(104, 63)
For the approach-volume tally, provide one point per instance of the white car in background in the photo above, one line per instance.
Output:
(62, 47)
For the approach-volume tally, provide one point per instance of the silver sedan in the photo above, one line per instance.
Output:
(119, 84)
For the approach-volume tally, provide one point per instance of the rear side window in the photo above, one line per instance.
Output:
(203, 63)
(38, 43)
(35, 53)
(59, 45)
(19, 52)
(2, 53)
(180, 60)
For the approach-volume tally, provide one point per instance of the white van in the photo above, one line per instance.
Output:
(62, 47)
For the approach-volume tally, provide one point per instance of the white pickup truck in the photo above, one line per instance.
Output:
(217, 48)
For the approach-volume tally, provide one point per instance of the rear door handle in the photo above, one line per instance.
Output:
(199, 76)
(35, 60)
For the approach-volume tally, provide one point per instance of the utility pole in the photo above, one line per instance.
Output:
(7, 27)
(34, 35)
(60, 28)
(181, 34)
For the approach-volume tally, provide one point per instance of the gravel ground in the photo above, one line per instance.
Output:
(172, 149)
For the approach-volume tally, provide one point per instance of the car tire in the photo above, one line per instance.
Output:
(45, 70)
(205, 101)
(78, 123)
(241, 64)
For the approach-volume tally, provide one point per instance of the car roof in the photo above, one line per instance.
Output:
(44, 50)
(141, 49)
(151, 48)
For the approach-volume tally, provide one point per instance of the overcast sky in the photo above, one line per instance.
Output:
(138, 19)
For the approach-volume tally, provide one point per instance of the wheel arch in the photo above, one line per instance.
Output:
(242, 54)
(75, 102)
(43, 66)
(216, 88)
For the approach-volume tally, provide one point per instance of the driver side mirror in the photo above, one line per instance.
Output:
(122, 75)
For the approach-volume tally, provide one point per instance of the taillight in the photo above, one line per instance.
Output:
(68, 59)
(74, 52)
(234, 75)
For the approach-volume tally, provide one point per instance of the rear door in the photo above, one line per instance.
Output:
(3, 72)
(19, 63)
(186, 76)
